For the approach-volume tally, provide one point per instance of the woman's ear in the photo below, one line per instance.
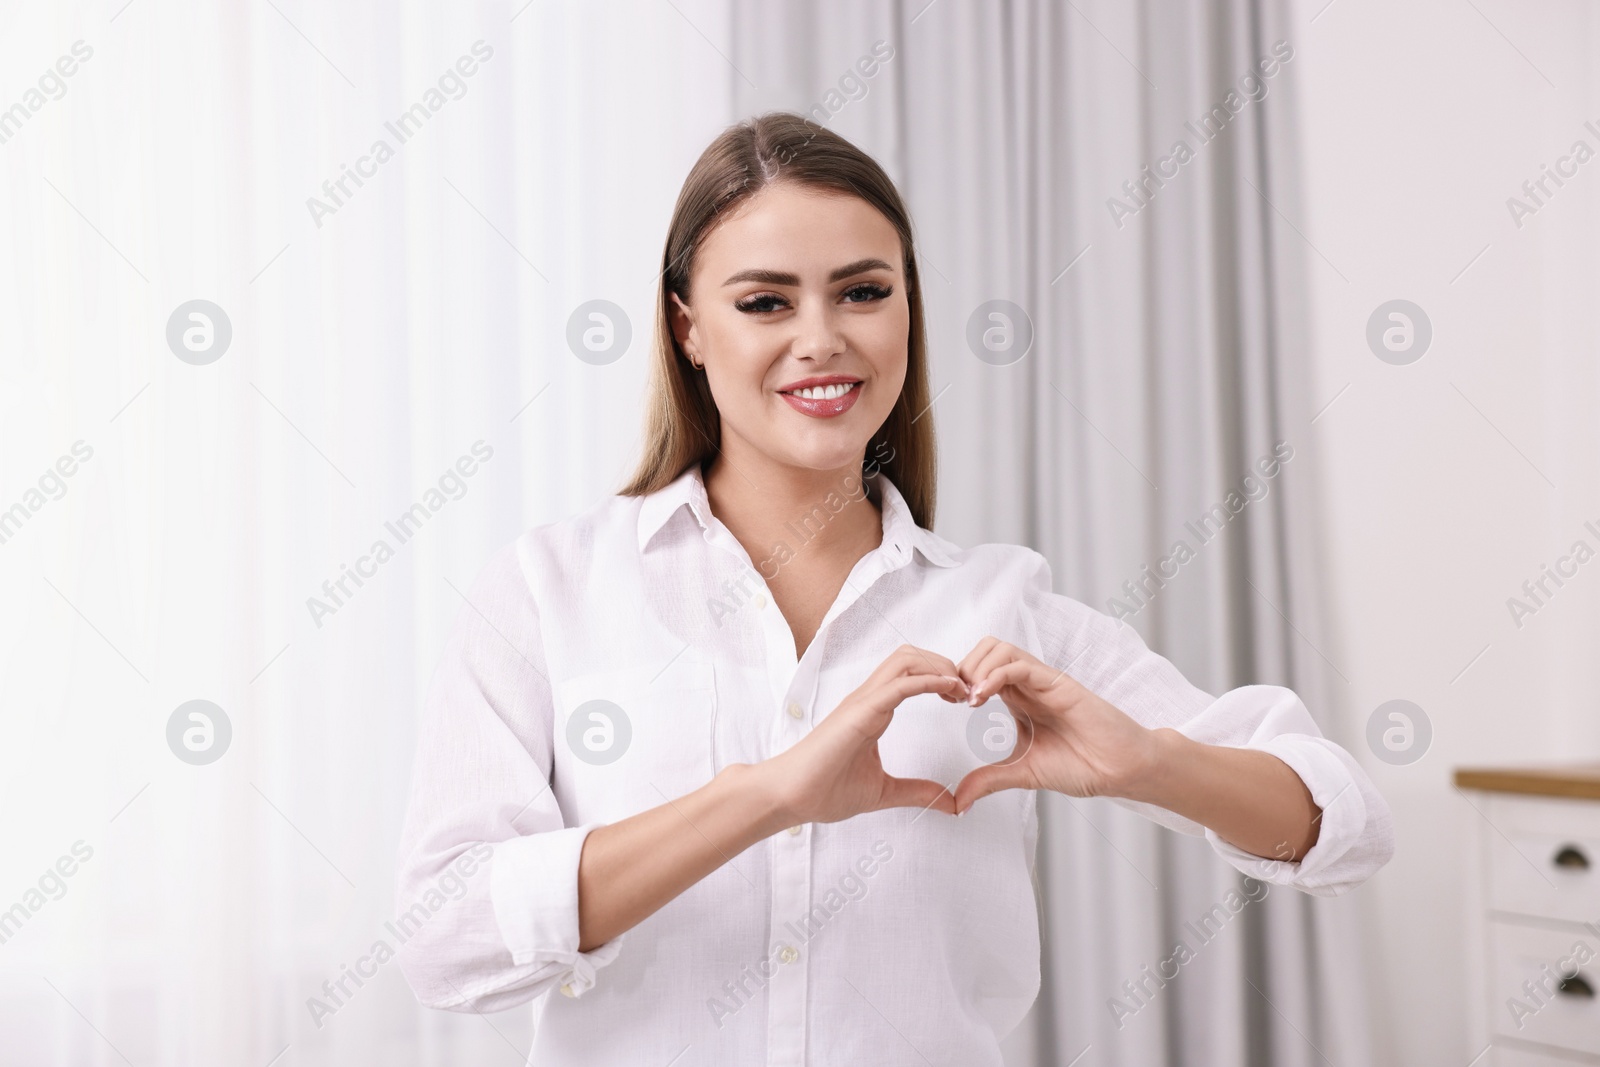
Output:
(682, 319)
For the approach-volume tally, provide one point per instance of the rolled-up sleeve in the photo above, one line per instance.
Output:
(487, 894)
(1108, 656)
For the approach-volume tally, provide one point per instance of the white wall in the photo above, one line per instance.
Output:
(1454, 479)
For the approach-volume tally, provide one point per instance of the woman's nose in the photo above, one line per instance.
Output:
(820, 336)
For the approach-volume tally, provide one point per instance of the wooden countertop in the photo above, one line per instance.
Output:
(1581, 781)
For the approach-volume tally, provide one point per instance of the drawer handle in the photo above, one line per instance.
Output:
(1571, 857)
(1576, 986)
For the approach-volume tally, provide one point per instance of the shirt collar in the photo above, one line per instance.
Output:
(900, 531)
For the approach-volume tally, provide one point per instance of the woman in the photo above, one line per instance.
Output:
(719, 761)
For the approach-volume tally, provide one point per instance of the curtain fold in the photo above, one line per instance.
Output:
(1168, 358)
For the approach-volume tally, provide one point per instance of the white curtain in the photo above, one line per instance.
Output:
(381, 332)
(369, 354)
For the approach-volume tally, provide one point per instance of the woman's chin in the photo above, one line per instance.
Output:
(829, 456)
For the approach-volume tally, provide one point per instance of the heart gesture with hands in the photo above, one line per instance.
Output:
(1068, 739)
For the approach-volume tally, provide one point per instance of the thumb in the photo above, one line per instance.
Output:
(991, 778)
(915, 793)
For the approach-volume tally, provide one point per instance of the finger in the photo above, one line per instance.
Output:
(906, 659)
(932, 661)
(1000, 655)
(898, 690)
(916, 793)
(989, 779)
(909, 659)
(924, 661)
(1025, 676)
(970, 661)
(880, 701)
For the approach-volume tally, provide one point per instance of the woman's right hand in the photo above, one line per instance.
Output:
(834, 772)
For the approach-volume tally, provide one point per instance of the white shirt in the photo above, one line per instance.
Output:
(896, 937)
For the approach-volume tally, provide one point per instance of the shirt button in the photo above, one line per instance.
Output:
(566, 990)
(795, 711)
(788, 955)
(794, 831)
(759, 600)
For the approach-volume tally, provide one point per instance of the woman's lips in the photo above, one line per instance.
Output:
(824, 409)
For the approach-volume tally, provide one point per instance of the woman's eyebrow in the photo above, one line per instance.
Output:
(778, 277)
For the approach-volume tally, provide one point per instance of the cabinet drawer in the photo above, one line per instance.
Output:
(1544, 858)
(1525, 954)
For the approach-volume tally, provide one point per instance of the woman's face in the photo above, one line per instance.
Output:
(799, 284)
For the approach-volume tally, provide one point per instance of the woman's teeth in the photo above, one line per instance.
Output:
(824, 392)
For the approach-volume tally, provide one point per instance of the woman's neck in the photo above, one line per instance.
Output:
(824, 518)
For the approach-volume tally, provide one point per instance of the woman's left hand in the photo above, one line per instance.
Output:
(1068, 739)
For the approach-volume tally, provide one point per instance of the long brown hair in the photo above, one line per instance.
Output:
(681, 421)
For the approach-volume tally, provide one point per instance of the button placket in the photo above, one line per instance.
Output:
(781, 667)
(791, 858)
(788, 992)
(790, 901)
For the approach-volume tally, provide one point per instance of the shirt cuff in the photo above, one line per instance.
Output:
(534, 886)
(1343, 819)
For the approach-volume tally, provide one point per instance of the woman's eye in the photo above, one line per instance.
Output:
(864, 293)
(760, 303)
(868, 291)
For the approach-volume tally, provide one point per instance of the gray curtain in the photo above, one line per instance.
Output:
(1167, 358)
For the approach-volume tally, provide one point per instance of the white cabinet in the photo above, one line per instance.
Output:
(1535, 915)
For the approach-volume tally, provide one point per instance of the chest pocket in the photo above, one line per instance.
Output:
(633, 738)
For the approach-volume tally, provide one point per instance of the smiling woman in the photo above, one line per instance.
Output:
(809, 196)
(671, 793)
